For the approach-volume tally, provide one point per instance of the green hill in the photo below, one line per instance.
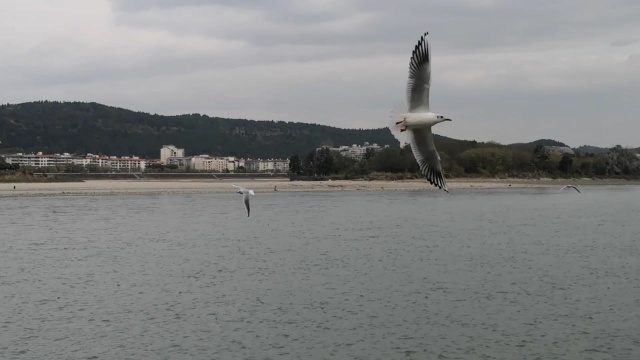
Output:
(588, 149)
(531, 145)
(76, 127)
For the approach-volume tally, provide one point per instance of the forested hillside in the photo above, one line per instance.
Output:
(75, 127)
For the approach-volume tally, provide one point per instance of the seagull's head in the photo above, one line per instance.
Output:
(442, 118)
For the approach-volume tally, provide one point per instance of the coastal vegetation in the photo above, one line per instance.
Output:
(527, 161)
(12, 173)
(479, 160)
(80, 128)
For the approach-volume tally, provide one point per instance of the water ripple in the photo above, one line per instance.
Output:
(478, 274)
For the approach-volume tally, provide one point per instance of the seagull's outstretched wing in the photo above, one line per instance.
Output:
(571, 187)
(245, 198)
(419, 77)
(424, 150)
(236, 186)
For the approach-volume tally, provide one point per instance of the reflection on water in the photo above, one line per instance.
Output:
(508, 274)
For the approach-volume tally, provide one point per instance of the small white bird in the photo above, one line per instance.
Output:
(418, 119)
(570, 186)
(245, 196)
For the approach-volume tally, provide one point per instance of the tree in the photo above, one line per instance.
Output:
(92, 168)
(565, 163)
(369, 153)
(340, 163)
(540, 153)
(542, 159)
(621, 161)
(490, 161)
(5, 166)
(389, 160)
(323, 162)
(308, 164)
(295, 165)
(74, 168)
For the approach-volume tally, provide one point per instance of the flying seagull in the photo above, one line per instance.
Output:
(570, 186)
(418, 119)
(245, 196)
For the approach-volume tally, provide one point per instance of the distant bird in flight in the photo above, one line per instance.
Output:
(418, 119)
(245, 196)
(570, 186)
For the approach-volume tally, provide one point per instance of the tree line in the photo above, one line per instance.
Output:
(493, 160)
(4, 166)
(398, 163)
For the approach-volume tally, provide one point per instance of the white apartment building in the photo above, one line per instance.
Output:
(281, 165)
(40, 160)
(355, 151)
(180, 162)
(125, 163)
(168, 151)
(233, 163)
(214, 164)
(252, 165)
(131, 164)
(267, 165)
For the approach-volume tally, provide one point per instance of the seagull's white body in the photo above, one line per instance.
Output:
(245, 196)
(418, 119)
(570, 186)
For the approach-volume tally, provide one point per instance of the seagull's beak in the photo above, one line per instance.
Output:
(448, 120)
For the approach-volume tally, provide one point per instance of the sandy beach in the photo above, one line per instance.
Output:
(157, 187)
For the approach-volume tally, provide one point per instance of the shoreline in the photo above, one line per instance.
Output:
(201, 186)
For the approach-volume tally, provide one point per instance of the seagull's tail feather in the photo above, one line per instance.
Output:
(394, 117)
(251, 192)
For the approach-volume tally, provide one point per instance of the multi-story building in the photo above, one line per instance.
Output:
(168, 151)
(355, 151)
(252, 165)
(214, 164)
(180, 162)
(267, 165)
(234, 163)
(130, 164)
(169, 155)
(202, 162)
(281, 165)
(120, 164)
(40, 160)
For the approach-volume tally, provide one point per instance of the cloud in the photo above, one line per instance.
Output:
(624, 42)
(508, 71)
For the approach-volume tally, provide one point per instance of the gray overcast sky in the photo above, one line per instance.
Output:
(507, 71)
